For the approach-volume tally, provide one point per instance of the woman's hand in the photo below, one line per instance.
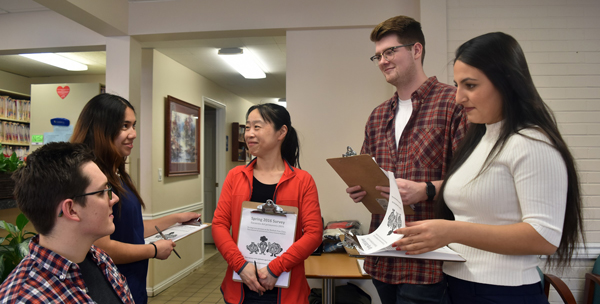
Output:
(249, 278)
(164, 248)
(187, 216)
(424, 236)
(266, 279)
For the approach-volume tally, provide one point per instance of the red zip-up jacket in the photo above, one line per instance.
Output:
(295, 188)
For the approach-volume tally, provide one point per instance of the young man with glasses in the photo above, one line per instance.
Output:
(413, 135)
(69, 202)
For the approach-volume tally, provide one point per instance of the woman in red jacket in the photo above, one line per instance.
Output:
(272, 174)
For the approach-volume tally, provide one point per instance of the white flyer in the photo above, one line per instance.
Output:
(264, 237)
(383, 237)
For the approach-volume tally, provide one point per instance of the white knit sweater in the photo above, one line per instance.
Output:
(527, 182)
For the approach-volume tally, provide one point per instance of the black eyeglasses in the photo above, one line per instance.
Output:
(388, 53)
(108, 189)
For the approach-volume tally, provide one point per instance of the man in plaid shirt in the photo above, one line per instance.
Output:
(69, 201)
(414, 135)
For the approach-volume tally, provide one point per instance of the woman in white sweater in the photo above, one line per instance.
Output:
(511, 193)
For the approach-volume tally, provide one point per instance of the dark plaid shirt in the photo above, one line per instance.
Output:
(46, 277)
(426, 146)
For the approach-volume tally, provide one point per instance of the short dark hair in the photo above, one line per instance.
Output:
(279, 117)
(407, 29)
(51, 174)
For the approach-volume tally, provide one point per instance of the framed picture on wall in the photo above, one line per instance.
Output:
(182, 138)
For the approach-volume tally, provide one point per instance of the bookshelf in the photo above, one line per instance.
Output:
(238, 145)
(15, 116)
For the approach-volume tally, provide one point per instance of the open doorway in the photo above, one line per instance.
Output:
(214, 159)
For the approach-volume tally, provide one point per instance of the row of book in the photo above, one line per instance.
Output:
(242, 131)
(14, 133)
(17, 109)
(21, 151)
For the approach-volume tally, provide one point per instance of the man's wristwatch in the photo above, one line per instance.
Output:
(430, 191)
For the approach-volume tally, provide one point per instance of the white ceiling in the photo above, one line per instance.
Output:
(198, 55)
(20, 6)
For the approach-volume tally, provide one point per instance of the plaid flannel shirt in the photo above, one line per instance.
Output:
(426, 146)
(46, 277)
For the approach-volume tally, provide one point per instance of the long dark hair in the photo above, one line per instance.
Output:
(279, 117)
(500, 57)
(98, 125)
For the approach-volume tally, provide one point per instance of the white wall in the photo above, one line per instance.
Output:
(44, 31)
(562, 45)
(153, 17)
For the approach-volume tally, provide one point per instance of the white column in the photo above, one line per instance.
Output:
(123, 78)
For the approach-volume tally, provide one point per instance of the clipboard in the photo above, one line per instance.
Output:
(177, 232)
(362, 170)
(260, 235)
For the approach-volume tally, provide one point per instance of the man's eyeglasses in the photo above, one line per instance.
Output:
(388, 53)
(108, 189)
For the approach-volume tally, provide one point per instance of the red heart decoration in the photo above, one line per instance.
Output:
(63, 91)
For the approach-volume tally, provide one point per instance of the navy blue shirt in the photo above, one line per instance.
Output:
(129, 228)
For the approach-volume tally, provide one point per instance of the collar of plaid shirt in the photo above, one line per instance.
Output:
(44, 275)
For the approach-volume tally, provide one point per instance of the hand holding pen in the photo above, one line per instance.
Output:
(165, 238)
(257, 277)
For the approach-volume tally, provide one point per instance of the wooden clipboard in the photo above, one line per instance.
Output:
(362, 170)
(260, 249)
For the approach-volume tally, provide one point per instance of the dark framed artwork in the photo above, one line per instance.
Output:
(182, 138)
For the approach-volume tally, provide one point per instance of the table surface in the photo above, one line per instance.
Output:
(334, 266)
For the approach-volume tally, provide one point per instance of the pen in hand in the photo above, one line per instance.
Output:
(256, 272)
(165, 238)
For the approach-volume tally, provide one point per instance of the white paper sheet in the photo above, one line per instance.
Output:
(383, 237)
(175, 232)
(378, 243)
(443, 254)
(264, 238)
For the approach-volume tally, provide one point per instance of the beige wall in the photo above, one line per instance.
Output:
(176, 193)
(14, 83)
(46, 104)
(330, 94)
(69, 79)
(171, 78)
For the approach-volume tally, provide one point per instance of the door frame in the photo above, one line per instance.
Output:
(220, 153)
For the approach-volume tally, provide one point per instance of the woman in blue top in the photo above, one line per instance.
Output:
(107, 125)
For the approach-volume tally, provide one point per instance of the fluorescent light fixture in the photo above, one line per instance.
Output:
(282, 102)
(242, 62)
(57, 61)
